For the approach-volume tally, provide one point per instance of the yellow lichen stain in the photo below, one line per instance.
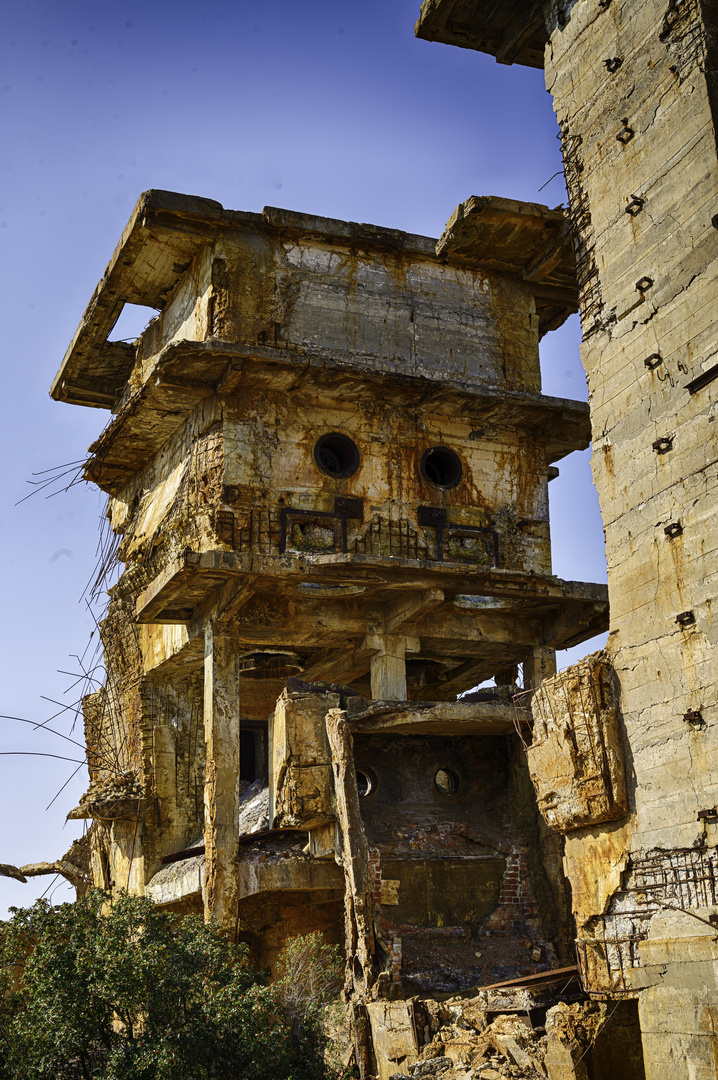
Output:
(594, 860)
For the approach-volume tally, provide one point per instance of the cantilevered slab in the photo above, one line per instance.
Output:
(444, 718)
(498, 234)
(176, 882)
(487, 618)
(370, 573)
(373, 573)
(185, 371)
(165, 233)
(160, 240)
(511, 30)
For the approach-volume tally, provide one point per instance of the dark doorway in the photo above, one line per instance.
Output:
(247, 756)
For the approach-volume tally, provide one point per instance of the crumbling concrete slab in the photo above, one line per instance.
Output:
(576, 757)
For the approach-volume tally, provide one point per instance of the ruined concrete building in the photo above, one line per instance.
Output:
(635, 92)
(328, 463)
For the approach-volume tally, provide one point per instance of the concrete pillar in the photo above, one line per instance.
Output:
(388, 676)
(539, 664)
(388, 665)
(221, 789)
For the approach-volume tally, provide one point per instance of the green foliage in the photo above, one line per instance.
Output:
(136, 994)
(310, 976)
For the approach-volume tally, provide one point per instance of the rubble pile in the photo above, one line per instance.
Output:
(468, 1044)
(253, 809)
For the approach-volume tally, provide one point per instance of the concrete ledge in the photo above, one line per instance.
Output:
(177, 881)
(287, 875)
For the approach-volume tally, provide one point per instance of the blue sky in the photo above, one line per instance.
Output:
(331, 108)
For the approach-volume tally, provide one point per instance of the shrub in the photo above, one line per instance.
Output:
(90, 992)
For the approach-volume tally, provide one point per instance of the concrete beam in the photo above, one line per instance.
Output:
(289, 875)
(410, 606)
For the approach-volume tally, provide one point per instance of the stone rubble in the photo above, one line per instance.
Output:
(467, 1047)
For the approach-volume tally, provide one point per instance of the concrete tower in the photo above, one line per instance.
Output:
(327, 468)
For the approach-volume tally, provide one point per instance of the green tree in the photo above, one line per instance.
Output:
(137, 994)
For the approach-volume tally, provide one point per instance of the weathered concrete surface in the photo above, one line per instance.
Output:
(317, 263)
(513, 31)
(177, 882)
(221, 792)
(302, 789)
(576, 758)
(353, 857)
(647, 277)
(287, 875)
(393, 1036)
(454, 718)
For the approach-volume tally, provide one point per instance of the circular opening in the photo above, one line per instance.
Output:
(336, 455)
(441, 467)
(366, 782)
(446, 781)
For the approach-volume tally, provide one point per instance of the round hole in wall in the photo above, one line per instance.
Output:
(366, 782)
(441, 467)
(336, 455)
(446, 780)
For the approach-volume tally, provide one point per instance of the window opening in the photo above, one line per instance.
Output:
(446, 781)
(441, 467)
(336, 455)
(367, 782)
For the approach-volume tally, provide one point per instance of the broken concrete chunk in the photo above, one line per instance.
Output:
(576, 760)
(431, 1068)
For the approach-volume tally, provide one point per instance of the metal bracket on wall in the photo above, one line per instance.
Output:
(702, 380)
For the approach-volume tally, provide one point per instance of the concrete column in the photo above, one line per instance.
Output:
(539, 664)
(221, 789)
(388, 665)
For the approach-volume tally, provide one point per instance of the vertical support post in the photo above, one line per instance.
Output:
(353, 857)
(221, 789)
(539, 664)
(388, 665)
(388, 676)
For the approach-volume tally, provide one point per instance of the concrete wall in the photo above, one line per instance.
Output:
(635, 110)
(392, 307)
